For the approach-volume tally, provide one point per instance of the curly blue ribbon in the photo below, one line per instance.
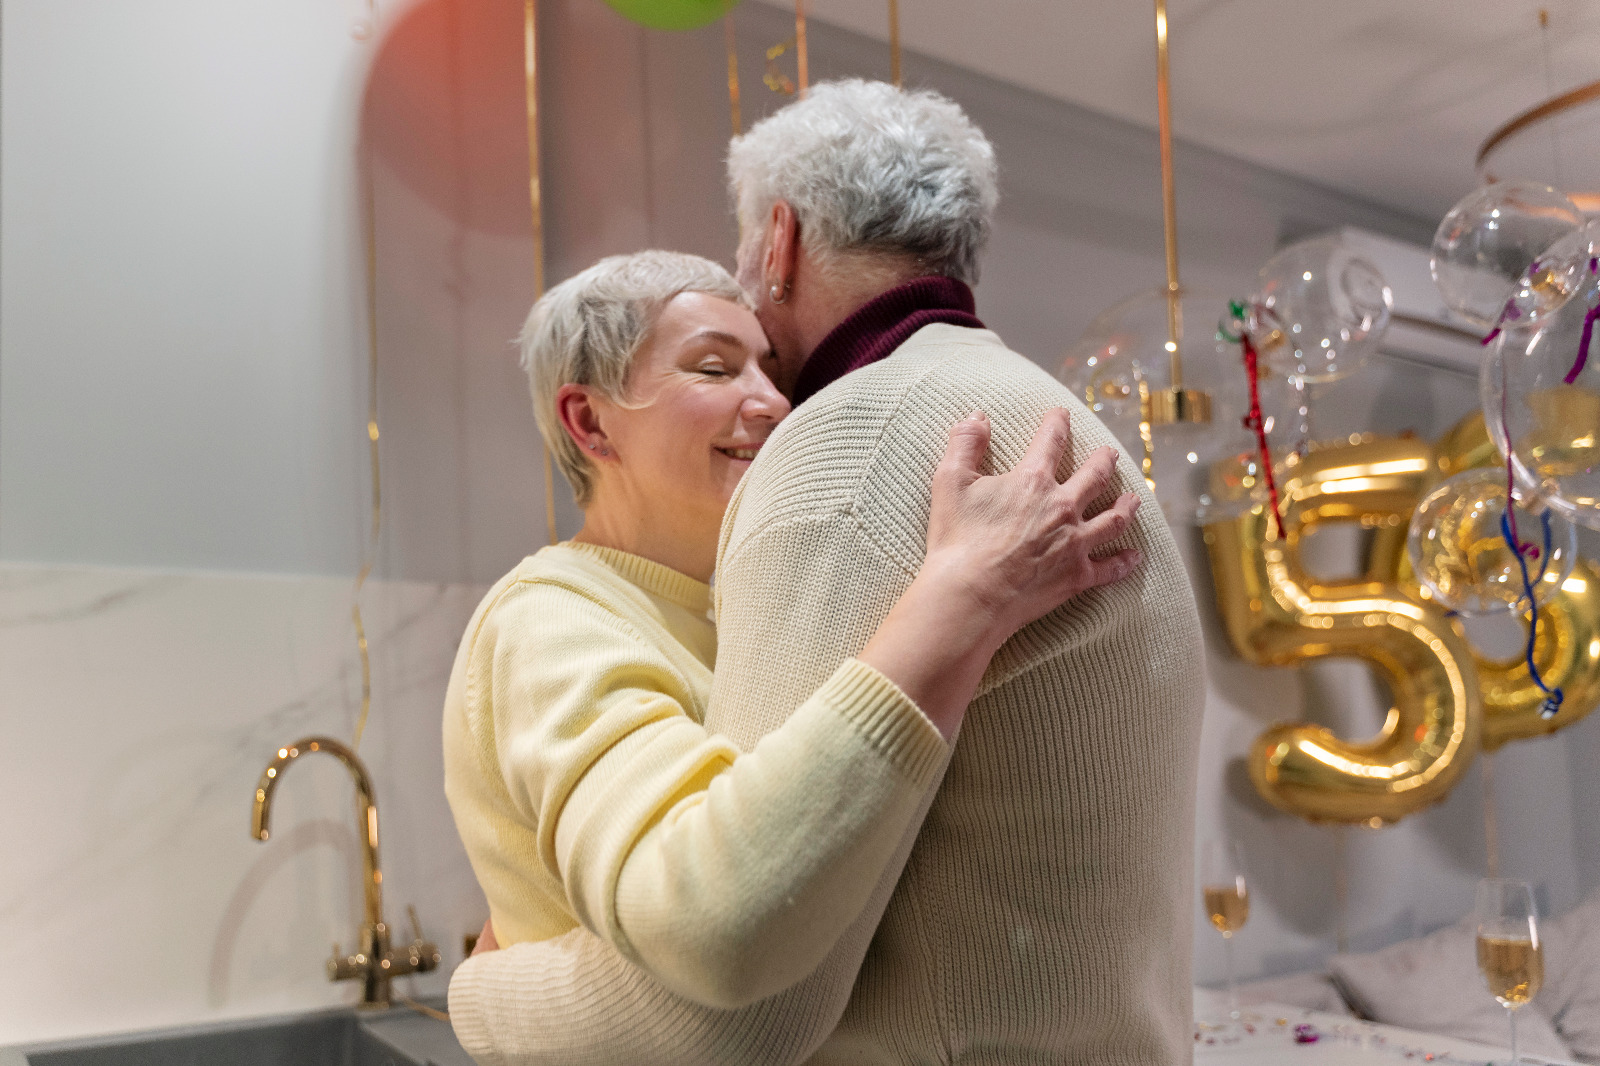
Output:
(1553, 696)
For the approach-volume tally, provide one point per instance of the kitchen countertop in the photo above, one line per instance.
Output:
(348, 1037)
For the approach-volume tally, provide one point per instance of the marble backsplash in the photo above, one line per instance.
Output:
(139, 709)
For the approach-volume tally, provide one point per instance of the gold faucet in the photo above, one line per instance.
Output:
(374, 962)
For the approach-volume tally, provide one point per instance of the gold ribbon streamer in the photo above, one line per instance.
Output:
(370, 552)
(801, 69)
(733, 72)
(530, 66)
(894, 42)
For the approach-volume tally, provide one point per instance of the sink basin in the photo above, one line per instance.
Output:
(342, 1038)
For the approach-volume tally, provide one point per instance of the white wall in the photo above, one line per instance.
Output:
(183, 482)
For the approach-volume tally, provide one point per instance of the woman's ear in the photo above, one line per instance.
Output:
(575, 407)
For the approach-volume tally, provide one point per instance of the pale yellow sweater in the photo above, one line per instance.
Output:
(586, 790)
(1044, 913)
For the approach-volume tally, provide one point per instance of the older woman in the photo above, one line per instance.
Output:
(584, 786)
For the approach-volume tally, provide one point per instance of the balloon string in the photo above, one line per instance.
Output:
(1553, 696)
(1511, 481)
(1588, 333)
(1508, 519)
(1507, 313)
(1254, 421)
(1508, 529)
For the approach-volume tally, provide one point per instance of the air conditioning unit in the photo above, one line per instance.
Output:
(1421, 329)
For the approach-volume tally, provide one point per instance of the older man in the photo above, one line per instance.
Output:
(1043, 914)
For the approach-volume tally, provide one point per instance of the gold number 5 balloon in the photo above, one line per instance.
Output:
(1448, 699)
(1277, 614)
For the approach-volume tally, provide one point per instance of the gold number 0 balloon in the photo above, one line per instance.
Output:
(1277, 614)
(1568, 645)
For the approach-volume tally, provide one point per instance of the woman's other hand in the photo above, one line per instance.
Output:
(486, 941)
(1003, 550)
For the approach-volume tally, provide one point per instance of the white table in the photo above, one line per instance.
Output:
(1268, 1039)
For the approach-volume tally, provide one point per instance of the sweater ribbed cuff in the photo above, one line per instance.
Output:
(467, 1003)
(888, 719)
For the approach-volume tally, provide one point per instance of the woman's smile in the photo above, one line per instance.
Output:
(739, 455)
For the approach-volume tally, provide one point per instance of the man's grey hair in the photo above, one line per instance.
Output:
(587, 330)
(872, 170)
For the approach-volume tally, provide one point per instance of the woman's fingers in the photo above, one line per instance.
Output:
(1090, 480)
(968, 445)
(1051, 442)
(1111, 523)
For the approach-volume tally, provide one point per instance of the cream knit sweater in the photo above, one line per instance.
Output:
(1044, 913)
(586, 790)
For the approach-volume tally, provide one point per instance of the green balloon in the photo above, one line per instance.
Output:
(672, 14)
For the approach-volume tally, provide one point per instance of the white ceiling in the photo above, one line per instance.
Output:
(1386, 99)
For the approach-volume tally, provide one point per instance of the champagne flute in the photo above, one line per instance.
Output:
(1509, 951)
(1227, 903)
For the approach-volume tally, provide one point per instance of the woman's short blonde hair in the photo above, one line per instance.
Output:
(587, 330)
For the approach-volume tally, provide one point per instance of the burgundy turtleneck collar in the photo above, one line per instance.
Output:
(881, 325)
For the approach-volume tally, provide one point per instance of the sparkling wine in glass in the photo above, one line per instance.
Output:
(1510, 954)
(1227, 903)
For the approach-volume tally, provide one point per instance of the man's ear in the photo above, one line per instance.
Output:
(783, 247)
(580, 419)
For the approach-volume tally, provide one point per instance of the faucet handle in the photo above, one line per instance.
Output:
(342, 967)
(420, 955)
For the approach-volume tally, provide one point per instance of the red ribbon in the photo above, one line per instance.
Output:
(1254, 421)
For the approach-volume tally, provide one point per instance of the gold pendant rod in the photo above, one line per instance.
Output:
(369, 554)
(1169, 195)
(801, 66)
(894, 42)
(733, 72)
(530, 66)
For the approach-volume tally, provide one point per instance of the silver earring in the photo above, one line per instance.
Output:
(779, 295)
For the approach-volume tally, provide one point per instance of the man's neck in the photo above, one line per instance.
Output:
(877, 326)
(836, 294)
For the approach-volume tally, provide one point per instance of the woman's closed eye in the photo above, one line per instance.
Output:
(713, 369)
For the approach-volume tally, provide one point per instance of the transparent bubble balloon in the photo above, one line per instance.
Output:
(1323, 310)
(1100, 369)
(1550, 427)
(1460, 553)
(1122, 367)
(1501, 250)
